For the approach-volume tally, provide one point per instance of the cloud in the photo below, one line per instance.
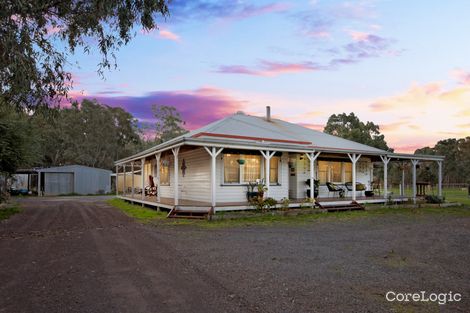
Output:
(461, 76)
(268, 68)
(417, 95)
(318, 127)
(198, 107)
(227, 9)
(162, 34)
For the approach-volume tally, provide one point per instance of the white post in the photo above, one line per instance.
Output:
(267, 158)
(124, 166)
(213, 152)
(414, 162)
(175, 188)
(158, 157)
(385, 160)
(354, 157)
(39, 183)
(312, 156)
(403, 180)
(142, 178)
(133, 184)
(439, 181)
(117, 180)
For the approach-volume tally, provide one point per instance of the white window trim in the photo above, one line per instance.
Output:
(242, 172)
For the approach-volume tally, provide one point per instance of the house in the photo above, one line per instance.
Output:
(211, 167)
(62, 180)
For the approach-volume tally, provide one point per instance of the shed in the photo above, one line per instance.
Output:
(73, 179)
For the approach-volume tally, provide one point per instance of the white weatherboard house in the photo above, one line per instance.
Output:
(211, 167)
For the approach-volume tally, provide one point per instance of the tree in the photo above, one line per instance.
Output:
(32, 66)
(87, 133)
(17, 144)
(350, 127)
(169, 123)
(456, 166)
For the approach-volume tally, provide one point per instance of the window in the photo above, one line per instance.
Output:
(274, 170)
(334, 171)
(248, 171)
(323, 171)
(231, 168)
(165, 172)
(347, 172)
(335, 174)
(252, 168)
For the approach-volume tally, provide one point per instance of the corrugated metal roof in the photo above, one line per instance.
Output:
(256, 128)
(257, 131)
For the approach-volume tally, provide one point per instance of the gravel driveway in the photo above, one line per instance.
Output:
(80, 255)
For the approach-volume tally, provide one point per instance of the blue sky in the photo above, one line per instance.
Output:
(401, 64)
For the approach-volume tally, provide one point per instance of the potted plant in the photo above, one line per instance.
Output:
(316, 184)
(241, 161)
(251, 193)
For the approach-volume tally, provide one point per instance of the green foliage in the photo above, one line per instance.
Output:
(285, 202)
(169, 123)
(433, 199)
(89, 134)
(17, 140)
(270, 203)
(37, 36)
(350, 127)
(138, 212)
(456, 166)
(6, 212)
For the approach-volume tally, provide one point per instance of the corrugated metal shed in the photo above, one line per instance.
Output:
(77, 179)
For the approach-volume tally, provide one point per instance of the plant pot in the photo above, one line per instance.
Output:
(315, 193)
(241, 161)
(251, 195)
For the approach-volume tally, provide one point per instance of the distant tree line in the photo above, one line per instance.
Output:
(456, 166)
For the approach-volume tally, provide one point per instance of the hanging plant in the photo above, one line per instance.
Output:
(241, 161)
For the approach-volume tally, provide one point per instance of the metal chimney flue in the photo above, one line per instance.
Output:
(268, 113)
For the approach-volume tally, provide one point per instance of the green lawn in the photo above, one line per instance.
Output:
(138, 212)
(148, 215)
(8, 211)
(456, 195)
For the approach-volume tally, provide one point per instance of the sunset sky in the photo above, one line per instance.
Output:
(404, 65)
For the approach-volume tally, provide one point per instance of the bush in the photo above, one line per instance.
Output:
(433, 199)
(285, 203)
(270, 203)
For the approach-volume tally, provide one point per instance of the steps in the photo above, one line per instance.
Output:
(335, 207)
(190, 212)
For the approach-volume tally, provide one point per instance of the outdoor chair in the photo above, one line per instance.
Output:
(335, 189)
(359, 186)
(151, 189)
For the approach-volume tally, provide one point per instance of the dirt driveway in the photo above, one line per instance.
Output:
(80, 255)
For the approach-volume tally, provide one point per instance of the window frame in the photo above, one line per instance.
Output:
(241, 181)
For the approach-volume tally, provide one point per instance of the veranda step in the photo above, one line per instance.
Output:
(190, 212)
(340, 206)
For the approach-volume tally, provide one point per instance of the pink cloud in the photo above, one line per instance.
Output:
(166, 34)
(318, 127)
(198, 107)
(408, 148)
(358, 36)
(461, 76)
(268, 68)
(162, 34)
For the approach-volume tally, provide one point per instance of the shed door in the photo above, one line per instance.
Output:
(58, 183)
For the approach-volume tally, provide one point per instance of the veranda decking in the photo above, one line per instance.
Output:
(168, 203)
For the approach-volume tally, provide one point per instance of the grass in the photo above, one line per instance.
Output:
(147, 215)
(8, 211)
(138, 212)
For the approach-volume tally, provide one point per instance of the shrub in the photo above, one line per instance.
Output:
(285, 203)
(433, 199)
(270, 203)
